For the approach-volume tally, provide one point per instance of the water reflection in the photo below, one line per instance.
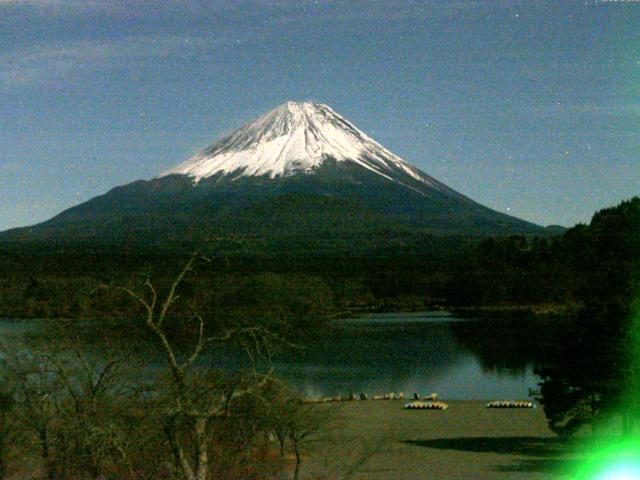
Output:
(424, 353)
(420, 353)
(508, 346)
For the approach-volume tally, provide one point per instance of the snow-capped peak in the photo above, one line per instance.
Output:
(295, 138)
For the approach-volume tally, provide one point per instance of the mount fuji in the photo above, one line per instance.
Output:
(298, 138)
(300, 174)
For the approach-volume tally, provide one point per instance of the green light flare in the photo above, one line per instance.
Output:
(619, 460)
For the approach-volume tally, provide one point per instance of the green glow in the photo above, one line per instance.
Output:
(617, 461)
(619, 458)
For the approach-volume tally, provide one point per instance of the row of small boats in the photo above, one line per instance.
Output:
(434, 405)
(363, 396)
(427, 402)
(510, 404)
(419, 405)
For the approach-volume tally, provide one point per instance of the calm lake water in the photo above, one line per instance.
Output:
(423, 352)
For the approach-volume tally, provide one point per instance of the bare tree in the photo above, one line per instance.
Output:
(304, 421)
(37, 405)
(289, 418)
(194, 402)
(68, 407)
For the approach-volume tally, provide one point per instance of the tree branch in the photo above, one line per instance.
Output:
(199, 343)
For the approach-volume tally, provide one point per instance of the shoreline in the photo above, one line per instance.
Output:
(523, 309)
(466, 312)
(467, 440)
(547, 310)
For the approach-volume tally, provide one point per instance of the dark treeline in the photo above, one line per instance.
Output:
(50, 282)
(47, 282)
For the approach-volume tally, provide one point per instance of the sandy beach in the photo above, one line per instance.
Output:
(381, 440)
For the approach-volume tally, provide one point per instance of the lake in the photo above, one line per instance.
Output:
(424, 353)
(418, 352)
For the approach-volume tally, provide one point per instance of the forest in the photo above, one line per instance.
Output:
(430, 273)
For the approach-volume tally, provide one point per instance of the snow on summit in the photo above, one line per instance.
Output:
(295, 138)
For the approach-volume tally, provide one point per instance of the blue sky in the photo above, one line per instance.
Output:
(529, 107)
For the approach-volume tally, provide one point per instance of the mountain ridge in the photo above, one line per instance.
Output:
(330, 181)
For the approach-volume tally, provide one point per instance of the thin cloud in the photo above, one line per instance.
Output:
(58, 62)
(327, 9)
(11, 167)
(614, 109)
(65, 60)
(610, 109)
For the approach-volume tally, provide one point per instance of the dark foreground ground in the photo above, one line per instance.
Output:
(381, 440)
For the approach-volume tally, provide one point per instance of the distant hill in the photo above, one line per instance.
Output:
(555, 229)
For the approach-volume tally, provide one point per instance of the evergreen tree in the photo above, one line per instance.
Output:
(594, 363)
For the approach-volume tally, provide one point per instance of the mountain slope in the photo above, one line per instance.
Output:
(300, 173)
